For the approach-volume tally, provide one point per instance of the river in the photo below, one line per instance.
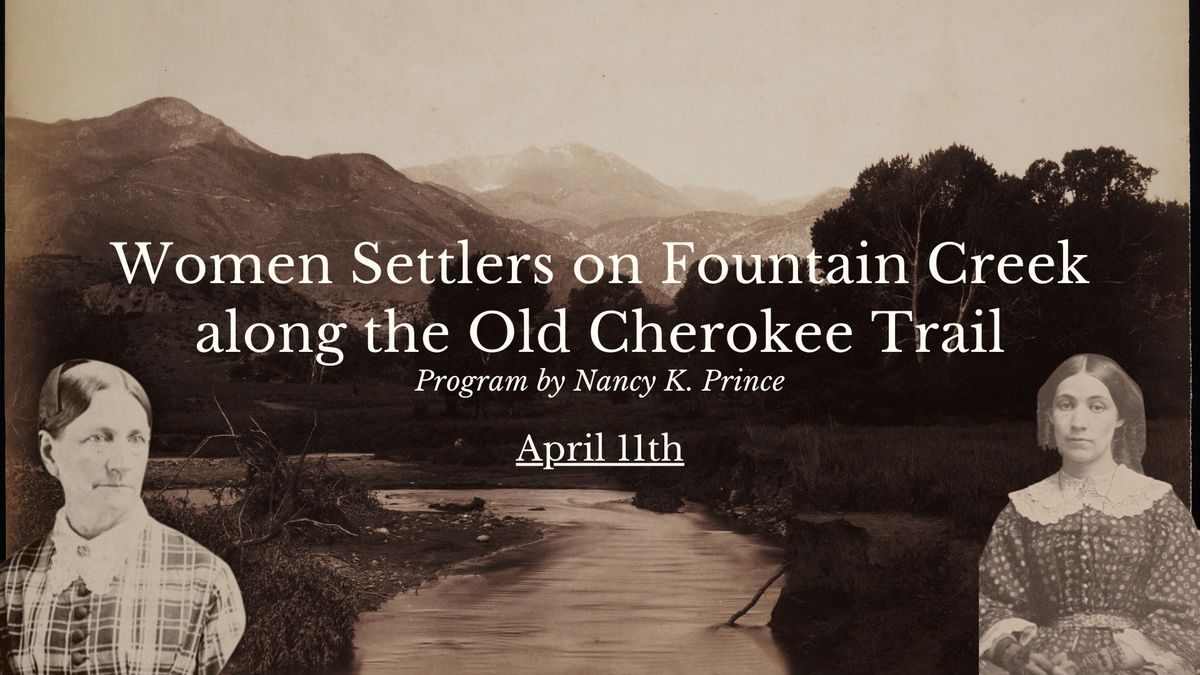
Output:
(610, 589)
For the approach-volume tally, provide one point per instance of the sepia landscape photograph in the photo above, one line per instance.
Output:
(598, 337)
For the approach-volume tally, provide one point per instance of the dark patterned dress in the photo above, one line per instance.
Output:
(1074, 565)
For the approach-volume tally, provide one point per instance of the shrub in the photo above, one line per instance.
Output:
(300, 613)
(32, 498)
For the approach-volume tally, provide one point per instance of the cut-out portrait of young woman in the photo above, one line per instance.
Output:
(1096, 568)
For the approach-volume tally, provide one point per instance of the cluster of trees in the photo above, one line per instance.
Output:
(1135, 307)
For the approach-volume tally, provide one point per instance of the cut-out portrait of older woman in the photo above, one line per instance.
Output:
(109, 589)
(1096, 568)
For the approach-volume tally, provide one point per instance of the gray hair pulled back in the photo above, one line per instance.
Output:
(68, 391)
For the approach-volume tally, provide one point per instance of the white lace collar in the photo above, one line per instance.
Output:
(97, 560)
(1121, 494)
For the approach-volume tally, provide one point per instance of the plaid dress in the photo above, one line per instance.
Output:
(1076, 565)
(151, 602)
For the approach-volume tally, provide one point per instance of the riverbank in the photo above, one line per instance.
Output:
(336, 571)
(396, 551)
(868, 542)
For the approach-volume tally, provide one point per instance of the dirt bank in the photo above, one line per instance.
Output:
(397, 551)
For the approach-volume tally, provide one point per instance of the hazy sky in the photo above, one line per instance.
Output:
(775, 98)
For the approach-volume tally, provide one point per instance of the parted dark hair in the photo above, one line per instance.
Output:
(68, 391)
(1129, 440)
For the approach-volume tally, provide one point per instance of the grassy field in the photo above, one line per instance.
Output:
(960, 470)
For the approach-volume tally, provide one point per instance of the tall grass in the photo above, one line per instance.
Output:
(957, 470)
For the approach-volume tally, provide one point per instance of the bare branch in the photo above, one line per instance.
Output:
(742, 612)
(318, 523)
(184, 463)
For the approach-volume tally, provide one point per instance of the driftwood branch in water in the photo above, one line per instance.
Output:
(742, 612)
(317, 523)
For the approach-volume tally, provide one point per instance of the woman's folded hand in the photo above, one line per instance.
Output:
(1009, 654)
(1107, 660)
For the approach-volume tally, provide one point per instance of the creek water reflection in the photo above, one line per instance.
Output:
(611, 589)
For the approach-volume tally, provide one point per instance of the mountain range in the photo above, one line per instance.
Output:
(163, 170)
(576, 188)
